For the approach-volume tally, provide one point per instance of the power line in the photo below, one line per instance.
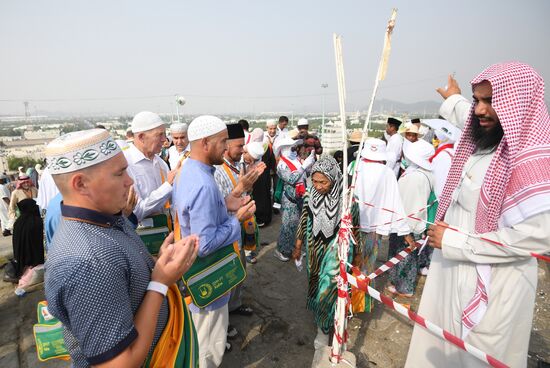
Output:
(119, 98)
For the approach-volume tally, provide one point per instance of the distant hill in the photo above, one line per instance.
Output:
(390, 106)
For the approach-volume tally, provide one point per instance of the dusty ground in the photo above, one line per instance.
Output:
(281, 332)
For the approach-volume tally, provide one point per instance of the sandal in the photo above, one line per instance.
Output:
(392, 290)
(231, 332)
(244, 310)
(251, 259)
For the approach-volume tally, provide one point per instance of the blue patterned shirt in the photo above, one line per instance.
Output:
(96, 278)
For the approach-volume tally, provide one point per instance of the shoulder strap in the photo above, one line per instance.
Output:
(229, 173)
(289, 163)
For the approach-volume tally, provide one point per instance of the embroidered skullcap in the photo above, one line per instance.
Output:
(146, 120)
(79, 150)
(270, 122)
(178, 128)
(235, 131)
(303, 122)
(255, 149)
(205, 126)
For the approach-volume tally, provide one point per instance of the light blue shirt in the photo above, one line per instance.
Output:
(201, 210)
(53, 217)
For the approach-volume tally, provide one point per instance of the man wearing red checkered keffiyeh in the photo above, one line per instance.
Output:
(498, 187)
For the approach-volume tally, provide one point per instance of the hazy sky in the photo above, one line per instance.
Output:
(251, 56)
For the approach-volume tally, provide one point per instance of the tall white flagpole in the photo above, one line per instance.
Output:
(340, 320)
(344, 235)
(380, 75)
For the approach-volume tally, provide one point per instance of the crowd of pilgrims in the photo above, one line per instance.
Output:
(298, 182)
(217, 183)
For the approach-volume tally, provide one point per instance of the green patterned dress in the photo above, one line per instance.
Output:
(322, 266)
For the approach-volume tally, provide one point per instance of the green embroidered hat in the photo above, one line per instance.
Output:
(79, 150)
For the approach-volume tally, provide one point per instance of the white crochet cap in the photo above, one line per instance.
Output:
(302, 122)
(255, 149)
(204, 126)
(146, 120)
(178, 128)
(270, 122)
(79, 150)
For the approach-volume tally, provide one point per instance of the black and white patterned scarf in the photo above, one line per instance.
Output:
(325, 208)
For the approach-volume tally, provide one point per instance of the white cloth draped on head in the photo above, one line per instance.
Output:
(255, 149)
(257, 135)
(377, 186)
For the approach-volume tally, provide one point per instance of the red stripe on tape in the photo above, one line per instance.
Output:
(453, 339)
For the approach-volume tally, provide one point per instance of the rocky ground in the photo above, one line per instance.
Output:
(281, 332)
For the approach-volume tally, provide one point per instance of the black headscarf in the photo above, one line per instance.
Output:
(28, 246)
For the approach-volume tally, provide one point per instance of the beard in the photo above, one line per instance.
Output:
(486, 138)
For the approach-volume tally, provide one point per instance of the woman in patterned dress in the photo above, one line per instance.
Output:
(317, 233)
(292, 172)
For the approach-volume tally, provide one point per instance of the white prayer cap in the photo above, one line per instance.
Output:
(374, 149)
(302, 122)
(270, 122)
(79, 150)
(204, 126)
(146, 120)
(178, 128)
(419, 153)
(255, 149)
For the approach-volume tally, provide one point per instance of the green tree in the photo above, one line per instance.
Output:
(26, 162)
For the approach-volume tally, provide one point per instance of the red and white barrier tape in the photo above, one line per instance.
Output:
(438, 331)
(491, 241)
(389, 264)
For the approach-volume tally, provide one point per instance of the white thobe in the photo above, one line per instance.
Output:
(46, 189)
(152, 190)
(504, 330)
(4, 211)
(441, 165)
(174, 156)
(455, 109)
(376, 185)
(394, 150)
